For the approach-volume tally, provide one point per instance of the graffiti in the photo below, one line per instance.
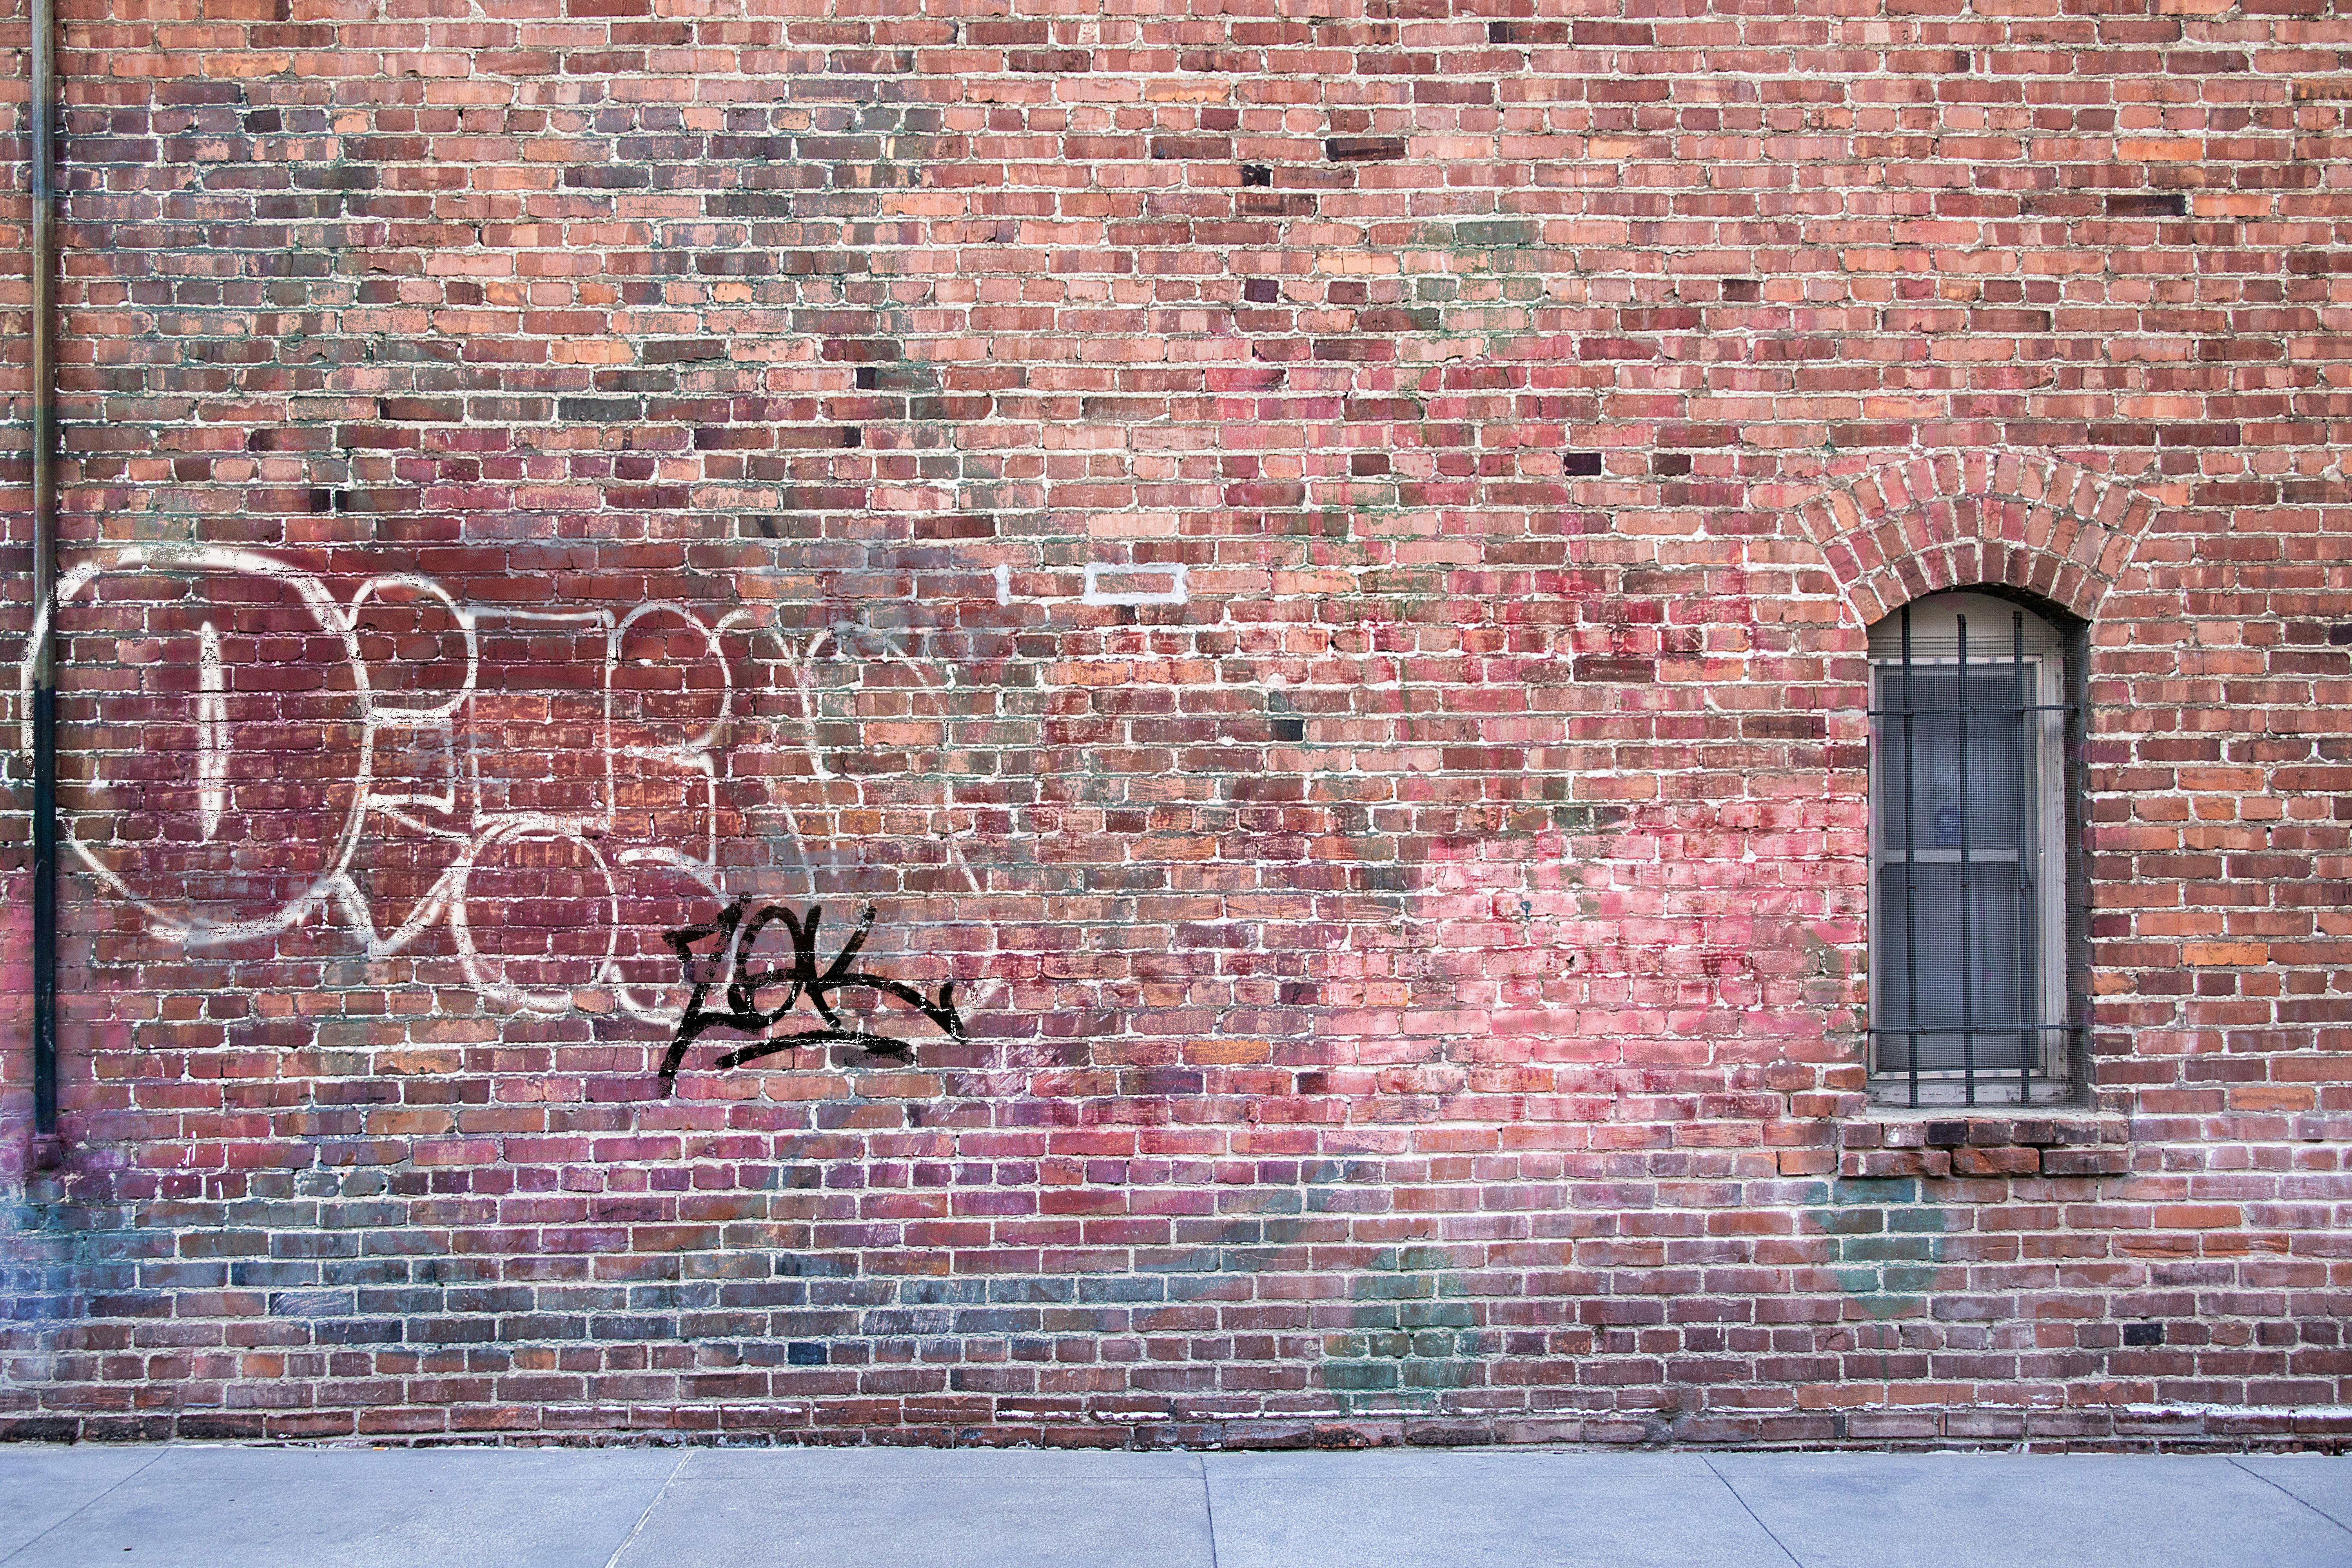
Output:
(1106, 584)
(1177, 592)
(842, 661)
(211, 730)
(538, 791)
(438, 771)
(738, 930)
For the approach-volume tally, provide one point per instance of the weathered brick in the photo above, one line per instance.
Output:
(1312, 574)
(2101, 1162)
(1999, 1161)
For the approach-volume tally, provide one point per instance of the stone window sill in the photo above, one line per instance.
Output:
(1945, 1144)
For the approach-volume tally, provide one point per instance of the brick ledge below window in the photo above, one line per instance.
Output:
(1985, 1145)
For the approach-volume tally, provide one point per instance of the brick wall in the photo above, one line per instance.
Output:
(1308, 565)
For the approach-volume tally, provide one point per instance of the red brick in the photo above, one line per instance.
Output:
(1330, 635)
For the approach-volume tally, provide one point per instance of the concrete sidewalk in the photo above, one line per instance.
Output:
(195, 1506)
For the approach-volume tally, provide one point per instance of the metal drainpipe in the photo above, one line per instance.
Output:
(45, 568)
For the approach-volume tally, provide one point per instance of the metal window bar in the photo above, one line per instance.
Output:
(1910, 869)
(2027, 1037)
(2028, 815)
(1967, 948)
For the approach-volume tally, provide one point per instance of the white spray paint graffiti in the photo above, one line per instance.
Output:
(213, 744)
(465, 806)
(1177, 590)
(1103, 583)
(798, 666)
(427, 767)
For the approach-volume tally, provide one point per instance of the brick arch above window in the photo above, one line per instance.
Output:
(1959, 520)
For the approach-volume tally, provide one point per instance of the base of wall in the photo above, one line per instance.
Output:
(2115, 1429)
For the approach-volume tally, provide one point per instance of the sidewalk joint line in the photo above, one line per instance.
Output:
(1209, 1503)
(1708, 1460)
(2303, 1500)
(87, 1505)
(660, 1492)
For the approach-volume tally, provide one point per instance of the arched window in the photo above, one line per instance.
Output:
(1976, 935)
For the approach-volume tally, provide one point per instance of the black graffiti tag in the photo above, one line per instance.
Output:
(738, 929)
